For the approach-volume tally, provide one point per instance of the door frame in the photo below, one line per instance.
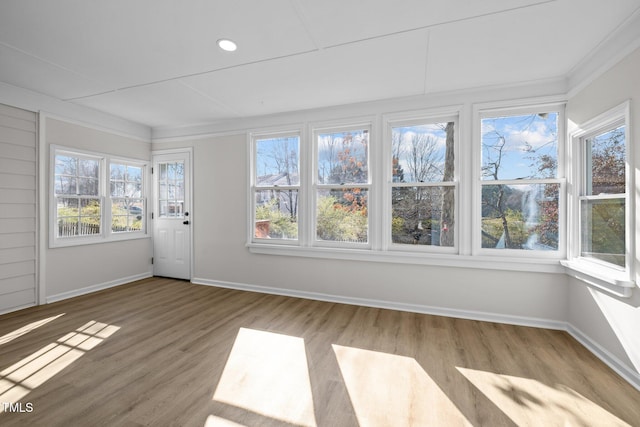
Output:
(154, 200)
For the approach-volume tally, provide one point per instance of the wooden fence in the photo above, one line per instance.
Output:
(68, 229)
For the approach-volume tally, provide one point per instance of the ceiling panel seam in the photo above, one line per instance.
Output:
(440, 24)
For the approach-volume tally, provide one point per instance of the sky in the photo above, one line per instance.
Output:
(525, 138)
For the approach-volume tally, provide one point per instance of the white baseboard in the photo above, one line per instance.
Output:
(97, 287)
(609, 359)
(413, 308)
(621, 368)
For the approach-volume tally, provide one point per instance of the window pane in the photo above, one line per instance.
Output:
(78, 217)
(343, 157)
(277, 161)
(419, 153)
(276, 214)
(603, 230)
(65, 185)
(423, 215)
(133, 189)
(134, 174)
(88, 186)
(88, 168)
(127, 215)
(342, 215)
(171, 190)
(520, 147)
(117, 189)
(606, 157)
(118, 171)
(520, 216)
(66, 165)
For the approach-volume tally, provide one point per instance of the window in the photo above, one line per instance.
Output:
(171, 189)
(77, 195)
(422, 183)
(127, 201)
(520, 186)
(599, 250)
(80, 213)
(276, 187)
(603, 196)
(341, 185)
(424, 191)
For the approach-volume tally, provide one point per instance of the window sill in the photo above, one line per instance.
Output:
(84, 241)
(418, 258)
(609, 280)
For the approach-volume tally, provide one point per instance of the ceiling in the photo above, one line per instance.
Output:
(156, 62)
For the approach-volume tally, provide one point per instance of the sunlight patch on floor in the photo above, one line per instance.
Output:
(391, 390)
(21, 378)
(267, 373)
(530, 402)
(26, 329)
(214, 421)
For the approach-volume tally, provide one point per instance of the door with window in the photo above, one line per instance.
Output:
(171, 214)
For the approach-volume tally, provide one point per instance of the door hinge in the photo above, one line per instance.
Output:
(151, 260)
(151, 215)
(151, 170)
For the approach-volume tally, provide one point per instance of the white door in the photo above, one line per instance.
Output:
(171, 215)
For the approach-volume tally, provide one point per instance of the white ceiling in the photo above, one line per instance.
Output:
(155, 62)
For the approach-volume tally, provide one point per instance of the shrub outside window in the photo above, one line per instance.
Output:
(342, 184)
(520, 189)
(276, 187)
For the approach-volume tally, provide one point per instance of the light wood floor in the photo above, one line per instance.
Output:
(165, 352)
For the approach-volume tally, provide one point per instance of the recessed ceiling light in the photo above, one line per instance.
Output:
(227, 45)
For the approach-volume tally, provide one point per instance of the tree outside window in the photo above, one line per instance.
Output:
(519, 189)
(277, 186)
(603, 198)
(342, 186)
(423, 191)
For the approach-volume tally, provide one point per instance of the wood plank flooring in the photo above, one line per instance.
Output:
(162, 352)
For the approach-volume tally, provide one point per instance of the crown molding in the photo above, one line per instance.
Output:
(37, 102)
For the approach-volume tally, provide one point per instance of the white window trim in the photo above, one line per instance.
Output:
(314, 186)
(451, 114)
(127, 235)
(252, 139)
(105, 234)
(380, 249)
(481, 111)
(594, 273)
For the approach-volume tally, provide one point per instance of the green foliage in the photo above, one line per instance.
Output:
(340, 223)
(89, 214)
(397, 225)
(281, 225)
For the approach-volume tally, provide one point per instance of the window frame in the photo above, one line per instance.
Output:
(592, 271)
(117, 235)
(515, 109)
(380, 248)
(253, 138)
(417, 119)
(104, 194)
(315, 186)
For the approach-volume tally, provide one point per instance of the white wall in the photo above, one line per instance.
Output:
(71, 271)
(611, 324)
